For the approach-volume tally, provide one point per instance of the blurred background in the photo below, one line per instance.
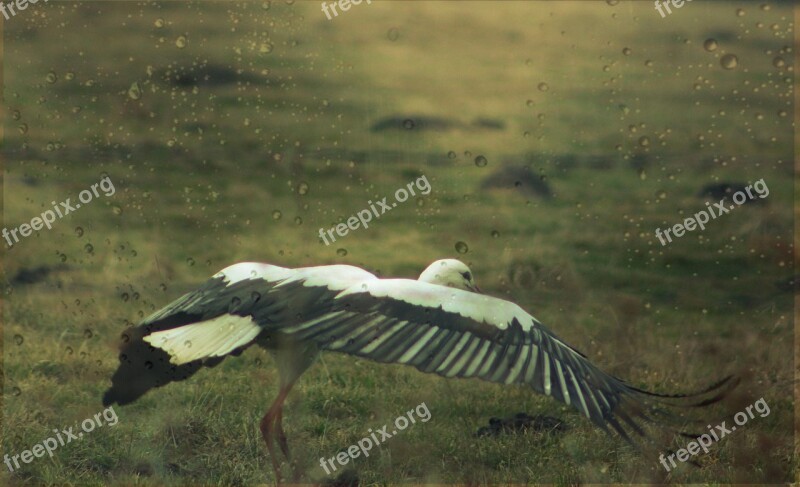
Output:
(556, 137)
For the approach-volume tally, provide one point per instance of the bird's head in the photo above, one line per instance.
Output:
(451, 273)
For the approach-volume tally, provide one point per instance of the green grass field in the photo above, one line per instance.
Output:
(234, 131)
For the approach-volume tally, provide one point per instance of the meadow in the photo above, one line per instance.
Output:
(234, 131)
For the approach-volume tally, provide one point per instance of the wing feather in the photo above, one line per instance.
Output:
(456, 333)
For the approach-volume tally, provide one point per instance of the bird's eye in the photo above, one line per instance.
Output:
(467, 276)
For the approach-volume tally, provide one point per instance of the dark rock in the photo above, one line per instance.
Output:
(414, 123)
(488, 123)
(206, 75)
(35, 274)
(522, 422)
(411, 123)
(348, 478)
(520, 178)
(719, 191)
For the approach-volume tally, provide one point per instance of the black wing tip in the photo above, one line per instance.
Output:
(109, 398)
(115, 396)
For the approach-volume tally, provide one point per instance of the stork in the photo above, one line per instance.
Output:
(439, 323)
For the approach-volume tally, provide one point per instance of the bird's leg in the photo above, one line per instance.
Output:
(281, 435)
(268, 427)
(292, 359)
(285, 445)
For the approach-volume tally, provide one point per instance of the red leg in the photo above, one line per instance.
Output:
(292, 359)
(281, 435)
(285, 445)
(268, 428)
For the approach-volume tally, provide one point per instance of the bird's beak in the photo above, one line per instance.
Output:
(476, 289)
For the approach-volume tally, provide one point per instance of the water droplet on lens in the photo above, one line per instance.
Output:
(298, 220)
(51, 77)
(148, 365)
(302, 189)
(187, 344)
(729, 61)
(778, 62)
(181, 42)
(341, 252)
(23, 128)
(159, 23)
(626, 51)
(68, 350)
(461, 247)
(543, 86)
(87, 333)
(495, 234)
(126, 338)
(393, 34)
(190, 261)
(15, 391)
(125, 297)
(644, 141)
(79, 231)
(408, 124)
(135, 91)
(276, 215)
(116, 209)
(710, 45)
(451, 155)
(481, 161)
(16, 115)
(18, 339)
(89, 248)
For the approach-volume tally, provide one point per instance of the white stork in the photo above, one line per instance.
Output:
(437, 323)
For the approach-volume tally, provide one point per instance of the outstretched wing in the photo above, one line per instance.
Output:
(456, 333)
(223, 316)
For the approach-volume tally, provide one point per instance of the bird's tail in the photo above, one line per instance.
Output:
(174, 349)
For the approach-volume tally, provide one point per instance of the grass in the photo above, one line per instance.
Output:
(207, 175)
